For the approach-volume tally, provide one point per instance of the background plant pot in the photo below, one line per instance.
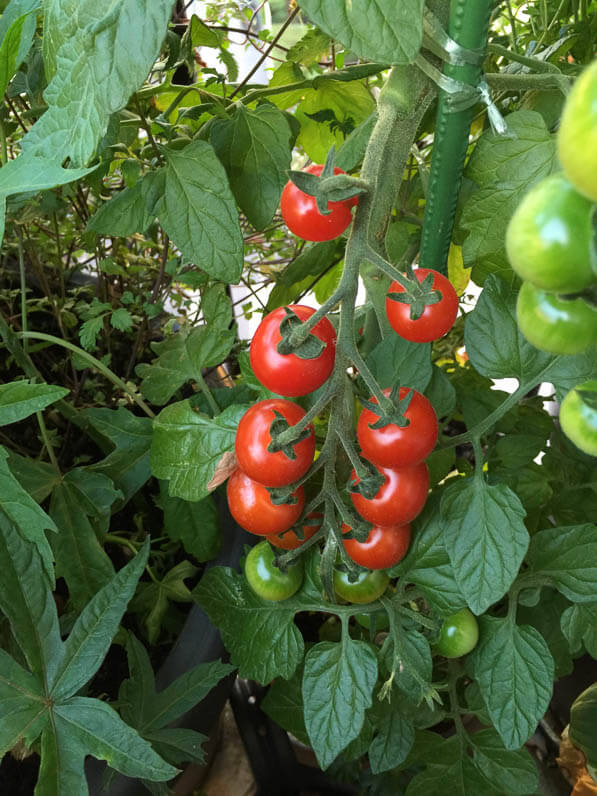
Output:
(198, 642)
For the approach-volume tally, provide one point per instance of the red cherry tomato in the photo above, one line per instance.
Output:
(290, 541)
(301, 216)
(383, 548)
(288, 374)
(436, 320)
(252, 508)
(399, 499)
(253, 439)
(397, 446)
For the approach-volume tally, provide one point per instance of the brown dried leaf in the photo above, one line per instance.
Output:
(224, 468)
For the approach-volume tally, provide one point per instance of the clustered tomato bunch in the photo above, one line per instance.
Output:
(396, 430)
(550, 243)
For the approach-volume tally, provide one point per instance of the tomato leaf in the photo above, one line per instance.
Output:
(394, 355)
(260, 635)
(394, 737)
(284, 704)
(19, 399)
(493, 342)
(255, 148)
(485, 537)
(518, 698)
(188, 445)
(504, 168)
(375, 31)
(579, 626)
(338, 683)
(568, 557)
(194, 524)
(198, 212)
(131, 210)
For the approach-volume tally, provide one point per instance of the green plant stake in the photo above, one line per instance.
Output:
(468, 27)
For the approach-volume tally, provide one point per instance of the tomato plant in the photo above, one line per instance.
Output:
(251, 506)
(302, 217)
(550, 237)
(458, 635)
(368, 586)
(398, 445)
(435, 320)
(578, 416)
(289, 540)
(266, 579)
(399, 499)
(289, 374)
(577, 134)
(555, 324)
(253, 444)
(382, 549)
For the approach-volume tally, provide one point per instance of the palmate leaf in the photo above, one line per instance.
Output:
(80, 558)
(42, 701)
(150, 711)
(30, 520)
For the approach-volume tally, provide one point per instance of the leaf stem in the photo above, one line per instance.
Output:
(94, 363)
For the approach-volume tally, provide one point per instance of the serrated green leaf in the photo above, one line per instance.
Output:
(180, 358)
(105, 55)
(129, 211)
(30, 520)
(375, 30)
(198, 211)
(178, 745)
(21, 702)
(260, 635)
(194, 524)
(26, 599)
(93, 727)
(493, 342)
(19, 399)
(187, 447)
(28, 173)
(90, 331)
(14, 46)
(152, 599)
(37, 478)
(485, 537)
(514, 669)
(310, 48)
(579, 626)
(395, 357)
(337, 688)
(128, 464)
(428, 566)
(504, 168)
(547, 618)
(395, 734)
(255, 148)
(121, 319)
(568, 557)
(92, 633)
(80, 558)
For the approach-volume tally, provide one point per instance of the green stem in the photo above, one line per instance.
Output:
(544, 82)
(208, 394)
(3, 146)
(23, 286)
(484, 425)
(533, 63)
(94, 363)
(468, 26)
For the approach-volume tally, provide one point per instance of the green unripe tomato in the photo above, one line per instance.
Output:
(578, 417)
(266, 580)
(577, 136)
(458, 635)
(549, 240)
(380, 620)
(368, 587)
(554, 324)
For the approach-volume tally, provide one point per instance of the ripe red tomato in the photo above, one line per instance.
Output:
(290, 541)
(399, 499)
(251, 506)
(383, 548)
(436, 320)
(301, 216)
(253, 439)
(288, 374)
(397, 446)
